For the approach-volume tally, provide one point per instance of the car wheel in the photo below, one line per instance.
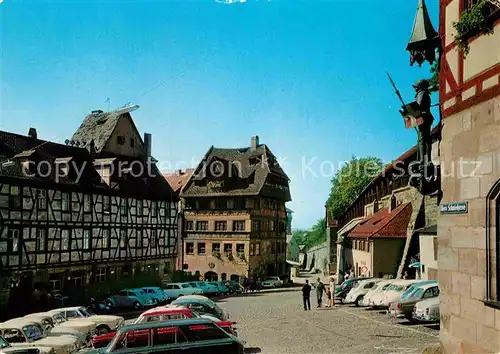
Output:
(103, 329)
(137, 305)
(358, 301)
(155, 301)
(109, 303)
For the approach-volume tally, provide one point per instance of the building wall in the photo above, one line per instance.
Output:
(428, 257)
(126, 129)
(386, 256)
(318, 256)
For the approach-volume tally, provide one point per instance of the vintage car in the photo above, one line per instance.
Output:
(85, 329)
(79, 314)
(165, 313)
(221, 287)
(208, 289)
(192, 336)
(52, 330)
(21, 331)
(404, 307)
(344, 288)
(272, 282)
(131, 298)
(378, 288)
(234, 287)
(157, 293)
(427, 310)
(175, 290)
(202, 306)
(6, 348)
(391, 293)
(356, 294)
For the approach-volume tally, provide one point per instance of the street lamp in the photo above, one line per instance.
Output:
(424, 40)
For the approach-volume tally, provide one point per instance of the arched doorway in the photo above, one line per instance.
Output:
(223, 276)
(235, 277)
(211, 276)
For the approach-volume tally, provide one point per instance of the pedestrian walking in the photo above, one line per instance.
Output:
(320, 289)
(306, 296)
(405, 275)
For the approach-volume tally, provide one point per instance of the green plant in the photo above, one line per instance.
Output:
(242, 256)
(230, 256)
(472, 21)
(216, 254)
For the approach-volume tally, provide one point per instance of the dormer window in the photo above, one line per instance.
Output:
(120, 140)
(62, 167)
(103, 167)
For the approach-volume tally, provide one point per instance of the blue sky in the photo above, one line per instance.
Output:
(308, 77)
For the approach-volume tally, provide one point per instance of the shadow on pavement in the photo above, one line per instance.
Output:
(252, 350)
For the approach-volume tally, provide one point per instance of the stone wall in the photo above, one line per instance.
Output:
(470, 152)
(319, 257)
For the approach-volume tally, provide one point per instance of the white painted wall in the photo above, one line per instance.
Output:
(427, 259)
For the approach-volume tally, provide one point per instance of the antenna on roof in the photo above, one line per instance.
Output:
(108, 101)
(127, 109)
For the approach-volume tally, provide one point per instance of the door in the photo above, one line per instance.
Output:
(121, 298)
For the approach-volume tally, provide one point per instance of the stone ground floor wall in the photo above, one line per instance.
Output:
(318, 257)
(470, 154)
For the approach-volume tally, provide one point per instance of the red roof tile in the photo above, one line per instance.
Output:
(178, 179)
(385, 224)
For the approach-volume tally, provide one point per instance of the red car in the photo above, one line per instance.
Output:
(164, 313)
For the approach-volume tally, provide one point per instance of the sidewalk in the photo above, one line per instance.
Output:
(301, 279)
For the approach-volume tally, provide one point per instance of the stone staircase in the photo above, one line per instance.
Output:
(417, 205)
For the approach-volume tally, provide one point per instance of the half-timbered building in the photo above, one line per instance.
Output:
(235, 216)
(376, 233)
(468, 226)
(83, 212)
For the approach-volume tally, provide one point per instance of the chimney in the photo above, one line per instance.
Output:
(32, 133)
(255, 143)
(147, 144)
(375, 206)
(179, 172)
(394, 203)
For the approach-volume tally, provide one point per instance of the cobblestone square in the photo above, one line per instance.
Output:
(275, 322)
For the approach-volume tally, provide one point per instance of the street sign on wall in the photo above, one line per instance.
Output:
(455, 208)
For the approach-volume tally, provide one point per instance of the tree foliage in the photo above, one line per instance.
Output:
(312, 237)
(434, 80)
(350, 181)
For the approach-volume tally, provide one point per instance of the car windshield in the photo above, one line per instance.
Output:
(408, 293)
(185, 285)
(33, 332)
(85, 312)
(3, 343)
(142, 292)
(417, 294)
(192, 284)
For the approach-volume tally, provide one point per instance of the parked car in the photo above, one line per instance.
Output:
(234, 287)
(202, 306)
(175, 290)
(415, 285)
(378, 288)
(427, 310)
(83, 328)
(55, 331)
(197, 335)
(357, 293)
(208, 289)
(7, 348)
(80, 314)
(272, 282)
(165, 313)
(131, 298)
(221, 287)
(21, 331)
(404, 307)
(344, 288)
(156, 293)
(392, 293)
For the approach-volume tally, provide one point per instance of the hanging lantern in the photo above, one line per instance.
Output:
(424, 39)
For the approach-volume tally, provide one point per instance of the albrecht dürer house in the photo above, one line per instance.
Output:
(469, 238)
(235, 216)
(83, 212)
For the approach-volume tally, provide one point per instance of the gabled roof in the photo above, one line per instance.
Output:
(385, 224)
(252, 167)
(178, 179)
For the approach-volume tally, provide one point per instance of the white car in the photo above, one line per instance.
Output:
(61, 326)
(52, 330)
(378, 288)
(427, 310)
(393, 293)
(21, 331)
(174, 290)
(356, 294)
(104, 323)
(6, 348)
(272, 282)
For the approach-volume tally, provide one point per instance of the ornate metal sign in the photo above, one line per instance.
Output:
(211, 265)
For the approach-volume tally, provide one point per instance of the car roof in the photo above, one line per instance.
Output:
(166, 309)
(150, 287)
(184, 299)
(19, 321)
(187, 322)
(62, 309)
(426, 286)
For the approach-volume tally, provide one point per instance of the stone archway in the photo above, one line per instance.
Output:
(235, 277)
(223, 276)
(211, 276)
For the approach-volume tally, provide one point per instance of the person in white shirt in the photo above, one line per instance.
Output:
(331, 298)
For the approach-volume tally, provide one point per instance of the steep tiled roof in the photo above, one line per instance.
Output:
(97, 126)
(178, 180)
(251, 167)
(15, 147)
(385, 224)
